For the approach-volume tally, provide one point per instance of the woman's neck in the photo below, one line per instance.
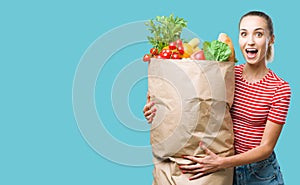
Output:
(254, 72)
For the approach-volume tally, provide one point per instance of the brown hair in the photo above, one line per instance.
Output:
(270, 51)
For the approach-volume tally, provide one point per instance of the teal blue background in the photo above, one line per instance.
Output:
(41, 44)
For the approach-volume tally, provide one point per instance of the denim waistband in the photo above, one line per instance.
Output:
(266, 171)
(270, 159)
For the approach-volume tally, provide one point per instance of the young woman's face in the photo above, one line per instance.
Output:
(254, 39)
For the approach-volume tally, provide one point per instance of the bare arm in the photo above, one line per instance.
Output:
(213, 162)
(263, 151)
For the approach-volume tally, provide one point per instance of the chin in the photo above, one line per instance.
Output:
(255, 62)
(251, 61)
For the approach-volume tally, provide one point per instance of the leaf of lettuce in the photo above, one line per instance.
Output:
(208, 52)
(216, 50)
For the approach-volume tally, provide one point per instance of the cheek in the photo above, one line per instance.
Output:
(241, 43)
(264, 46)
(242, 40)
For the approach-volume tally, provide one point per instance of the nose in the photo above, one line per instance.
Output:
(250, 40)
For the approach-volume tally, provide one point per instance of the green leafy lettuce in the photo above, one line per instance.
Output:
(216, 50)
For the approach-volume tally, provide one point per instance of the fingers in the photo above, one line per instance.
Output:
(190, 167)
(202, 165)
(192, 171)
(197, 170)
(196, 176)
(201, 173)
(149, 112)
(193, 158)
(150, 117)
(148, 106)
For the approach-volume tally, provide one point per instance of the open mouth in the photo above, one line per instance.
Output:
(251, 53)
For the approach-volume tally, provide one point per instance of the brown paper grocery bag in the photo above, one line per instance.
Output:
(193, 99)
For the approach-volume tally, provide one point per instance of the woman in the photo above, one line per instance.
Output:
(259, 110)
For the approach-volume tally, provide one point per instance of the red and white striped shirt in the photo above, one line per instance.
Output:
(254, 104)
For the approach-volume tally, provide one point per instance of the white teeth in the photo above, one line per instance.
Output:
(251, 50)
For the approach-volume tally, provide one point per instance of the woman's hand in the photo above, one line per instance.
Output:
(202, 166)
(149, 111)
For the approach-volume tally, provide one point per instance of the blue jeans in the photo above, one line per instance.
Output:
(265, 172)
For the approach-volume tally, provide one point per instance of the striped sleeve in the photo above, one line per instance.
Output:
(280, 104)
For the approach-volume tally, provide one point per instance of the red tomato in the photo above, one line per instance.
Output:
(146, 57)
(179, 42)
(172, 46)
(153, 51)
(180, 49)
(165, 54)
(166, 51)
(176, 55)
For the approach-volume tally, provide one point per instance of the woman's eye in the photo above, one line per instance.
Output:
(243, 34)
(258, 34)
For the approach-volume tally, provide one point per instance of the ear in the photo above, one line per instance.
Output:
(272, 40)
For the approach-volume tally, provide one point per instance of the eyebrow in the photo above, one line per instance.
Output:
(243, 29)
